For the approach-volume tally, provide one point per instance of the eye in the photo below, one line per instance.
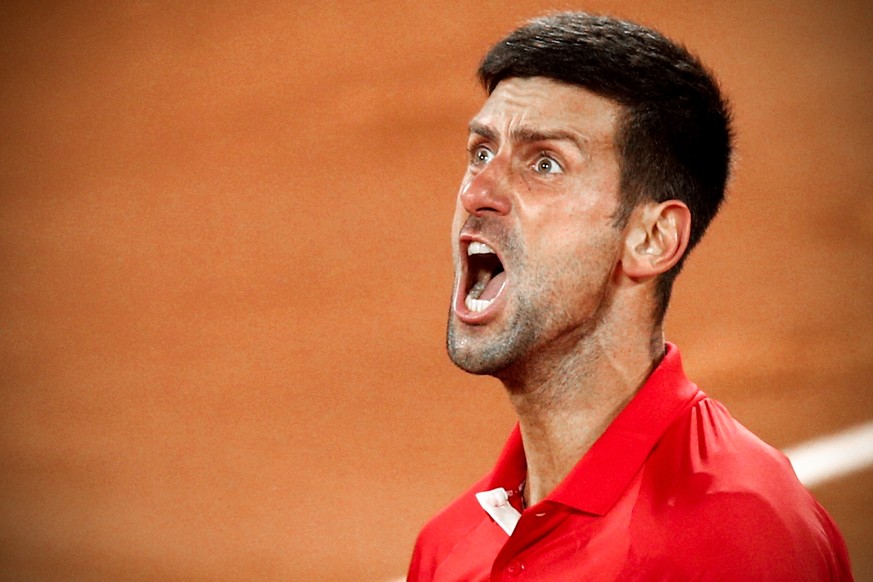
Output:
(480, 156)
(546, 165)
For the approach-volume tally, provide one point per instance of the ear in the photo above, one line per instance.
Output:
(656, 237)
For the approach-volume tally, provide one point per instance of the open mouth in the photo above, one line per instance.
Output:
(485, 277)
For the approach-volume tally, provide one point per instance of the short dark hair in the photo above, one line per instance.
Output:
(674, 138)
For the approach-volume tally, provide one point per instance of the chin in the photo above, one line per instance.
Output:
(477, 356)
(476, 366)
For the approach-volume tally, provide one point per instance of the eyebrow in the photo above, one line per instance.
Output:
(529, 135)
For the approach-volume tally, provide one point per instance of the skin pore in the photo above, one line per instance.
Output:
(571, 332)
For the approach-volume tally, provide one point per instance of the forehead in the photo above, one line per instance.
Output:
(545, 104)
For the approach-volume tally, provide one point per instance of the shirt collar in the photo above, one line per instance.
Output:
(604, 472)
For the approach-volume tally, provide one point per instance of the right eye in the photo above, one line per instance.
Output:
(480, 156)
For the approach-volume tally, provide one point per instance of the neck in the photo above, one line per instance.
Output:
(566, 402)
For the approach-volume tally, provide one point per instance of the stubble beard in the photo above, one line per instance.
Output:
(496, 354)
(501, 348)
(535, 321)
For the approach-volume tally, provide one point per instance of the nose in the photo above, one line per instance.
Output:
(486, 191)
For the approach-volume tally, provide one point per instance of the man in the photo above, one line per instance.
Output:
(595, 165)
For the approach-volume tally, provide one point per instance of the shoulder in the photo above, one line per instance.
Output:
(707, 447)
(731, 503)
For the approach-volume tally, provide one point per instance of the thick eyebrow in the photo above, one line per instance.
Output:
(483, 130)
(529, 135)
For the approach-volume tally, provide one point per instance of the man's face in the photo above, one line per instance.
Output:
(533, 235)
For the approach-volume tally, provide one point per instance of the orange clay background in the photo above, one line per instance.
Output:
(224, 235)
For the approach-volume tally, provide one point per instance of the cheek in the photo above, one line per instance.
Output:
(579, 259)
(457, 222)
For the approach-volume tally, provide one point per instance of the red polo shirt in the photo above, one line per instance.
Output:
(675, 489)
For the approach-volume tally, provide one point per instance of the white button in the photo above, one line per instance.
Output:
(515, 567)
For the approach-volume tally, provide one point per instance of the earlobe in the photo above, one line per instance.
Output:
(656, 238)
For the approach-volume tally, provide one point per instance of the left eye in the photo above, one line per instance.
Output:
(546, 165)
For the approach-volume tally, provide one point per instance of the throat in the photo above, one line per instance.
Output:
(486, 279)
(487, 286)
(491, 288)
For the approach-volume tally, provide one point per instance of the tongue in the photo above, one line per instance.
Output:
(493, 287)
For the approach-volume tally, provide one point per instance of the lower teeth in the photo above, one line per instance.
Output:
(476, 305)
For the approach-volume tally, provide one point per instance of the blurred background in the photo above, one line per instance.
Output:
(224, 243)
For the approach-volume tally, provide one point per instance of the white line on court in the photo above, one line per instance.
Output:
(832, 456)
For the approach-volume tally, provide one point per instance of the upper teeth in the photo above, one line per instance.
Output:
(478, 248)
